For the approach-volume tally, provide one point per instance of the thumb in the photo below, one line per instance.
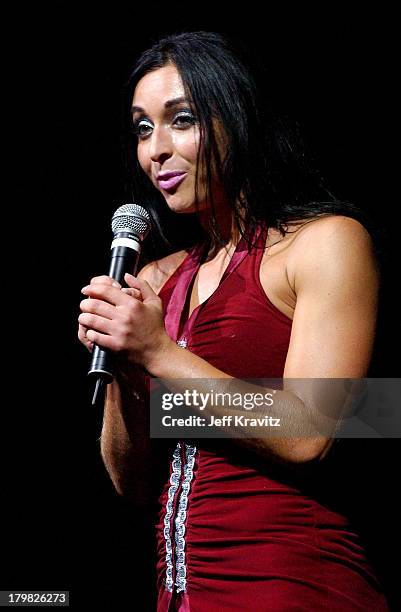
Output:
(146, 290)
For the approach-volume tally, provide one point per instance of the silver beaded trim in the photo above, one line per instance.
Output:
(181, 570)
(183, 343)
(174, 484)
(181, 573)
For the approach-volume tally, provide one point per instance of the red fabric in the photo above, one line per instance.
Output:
(254, 540)
(238, 329)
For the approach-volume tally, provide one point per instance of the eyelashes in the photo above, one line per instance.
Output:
(182, 120)
(142, 128)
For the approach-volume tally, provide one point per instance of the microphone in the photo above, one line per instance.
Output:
(130, 226)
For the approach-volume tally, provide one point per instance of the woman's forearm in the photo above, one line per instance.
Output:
(304, 432)
(125, 444)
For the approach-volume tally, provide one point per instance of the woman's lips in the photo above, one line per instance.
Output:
(169, 183)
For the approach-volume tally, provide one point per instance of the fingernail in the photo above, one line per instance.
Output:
(84, 290)
(115, 285)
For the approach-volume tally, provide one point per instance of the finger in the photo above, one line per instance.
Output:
(135, 293)
(105, 280)
(146, 290)
(82, 333)
(106, 293)
(98, 307)
(102, 340)
(91, 321)
(83, 338)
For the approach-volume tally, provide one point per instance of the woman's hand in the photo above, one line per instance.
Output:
(83, 329)
(127, 321)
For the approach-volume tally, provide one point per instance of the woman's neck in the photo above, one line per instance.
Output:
(229, 232)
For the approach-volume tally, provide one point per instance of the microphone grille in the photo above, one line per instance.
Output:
(131, 218)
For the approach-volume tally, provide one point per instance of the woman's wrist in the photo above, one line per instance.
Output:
(128, 373)
(159, 361)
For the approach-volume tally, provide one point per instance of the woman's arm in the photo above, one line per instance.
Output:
(126, 450)
(335, 279)
(125, 444)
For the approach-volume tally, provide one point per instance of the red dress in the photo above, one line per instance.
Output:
(236, 533)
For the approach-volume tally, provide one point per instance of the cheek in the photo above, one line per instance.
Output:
(143, 159)
(186, 145)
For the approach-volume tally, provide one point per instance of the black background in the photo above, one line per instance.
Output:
(63, 525)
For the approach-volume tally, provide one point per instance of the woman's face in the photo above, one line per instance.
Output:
(168, 138)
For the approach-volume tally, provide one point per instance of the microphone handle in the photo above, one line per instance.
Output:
(123, 259)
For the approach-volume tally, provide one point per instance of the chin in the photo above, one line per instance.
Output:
(177, 205)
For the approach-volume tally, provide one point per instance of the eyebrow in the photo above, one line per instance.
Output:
(168, 104)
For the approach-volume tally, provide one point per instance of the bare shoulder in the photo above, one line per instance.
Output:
(332, 227)
(299, 234)
(337, 244)
(157, 273)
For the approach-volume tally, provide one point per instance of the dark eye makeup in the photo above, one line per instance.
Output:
(182, 119)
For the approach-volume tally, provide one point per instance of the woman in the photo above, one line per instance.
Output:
(277, 280)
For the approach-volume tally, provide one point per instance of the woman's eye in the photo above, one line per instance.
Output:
(184, 120)
(142, 128)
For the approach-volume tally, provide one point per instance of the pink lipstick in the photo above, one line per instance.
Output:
(168, 180)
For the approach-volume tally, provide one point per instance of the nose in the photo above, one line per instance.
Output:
(160, 144)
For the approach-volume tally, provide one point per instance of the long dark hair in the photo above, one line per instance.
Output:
(266, 171)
